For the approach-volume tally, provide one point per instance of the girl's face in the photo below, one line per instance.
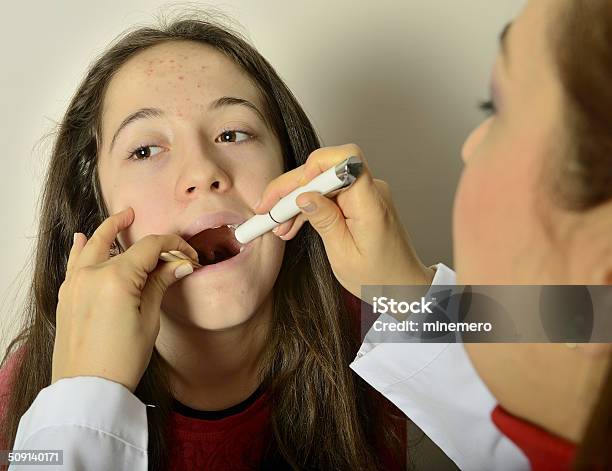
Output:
(508, 228)
(203, 148)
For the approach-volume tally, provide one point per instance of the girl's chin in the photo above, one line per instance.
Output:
(225, 318)
(220, 324)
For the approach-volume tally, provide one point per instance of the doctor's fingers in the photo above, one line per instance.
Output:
(324, 158)
(366, 200)
(78, 243)
(97, 248)
(277, 188)
(318, 161)
(288, 230)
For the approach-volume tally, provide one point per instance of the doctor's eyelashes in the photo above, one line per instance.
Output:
(488, 107)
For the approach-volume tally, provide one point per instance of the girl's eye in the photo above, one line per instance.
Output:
(144, 152)
(488, 107)
(233, 136)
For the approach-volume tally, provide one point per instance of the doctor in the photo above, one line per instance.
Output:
(534, 206)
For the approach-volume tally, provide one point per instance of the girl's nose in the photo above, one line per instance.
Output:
(203, 173)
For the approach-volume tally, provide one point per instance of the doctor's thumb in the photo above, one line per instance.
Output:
(158, 281)
(323, 214)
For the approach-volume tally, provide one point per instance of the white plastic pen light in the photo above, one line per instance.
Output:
(335, 178)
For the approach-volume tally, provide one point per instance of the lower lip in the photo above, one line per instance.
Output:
(225, 264)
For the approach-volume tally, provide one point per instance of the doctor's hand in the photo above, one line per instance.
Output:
(108, 310)
(363, 237)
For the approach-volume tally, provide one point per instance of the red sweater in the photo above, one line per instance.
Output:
(233, 439)
(545, 452)
(236, 438)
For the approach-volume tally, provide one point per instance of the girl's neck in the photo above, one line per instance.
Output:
(214, 370)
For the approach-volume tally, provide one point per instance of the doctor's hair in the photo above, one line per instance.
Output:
(322, 416)
(582, 47)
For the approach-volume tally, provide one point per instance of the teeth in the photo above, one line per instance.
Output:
(231, 226)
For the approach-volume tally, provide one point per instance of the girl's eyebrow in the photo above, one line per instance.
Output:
(148, 113)
(230, 101)
(143, 113)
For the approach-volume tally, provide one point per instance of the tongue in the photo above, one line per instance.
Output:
(215, 245)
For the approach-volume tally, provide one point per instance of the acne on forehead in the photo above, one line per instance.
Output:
(177, 60)
(173, 70)
(164, 68)
(161, 65)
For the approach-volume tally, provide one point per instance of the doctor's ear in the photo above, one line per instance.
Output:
(594, 349)
(597, 242)
(606, 278)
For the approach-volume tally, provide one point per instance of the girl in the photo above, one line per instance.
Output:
(181, 127)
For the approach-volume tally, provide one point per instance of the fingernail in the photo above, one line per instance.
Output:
(309, 208)
(74, 238)
(275, 230)
(183, 270)
(184, 256)
(256, 205)
(179, 254)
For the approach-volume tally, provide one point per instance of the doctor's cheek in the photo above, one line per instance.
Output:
(477, 154)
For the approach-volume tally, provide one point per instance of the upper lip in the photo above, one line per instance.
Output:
(211, 220)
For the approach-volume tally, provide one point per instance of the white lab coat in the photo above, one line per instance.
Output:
(101, 425)
(437, 387)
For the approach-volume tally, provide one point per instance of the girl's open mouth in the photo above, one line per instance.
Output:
(215, 245)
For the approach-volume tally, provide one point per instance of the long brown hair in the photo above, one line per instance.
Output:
(322, 416)
(582, 46)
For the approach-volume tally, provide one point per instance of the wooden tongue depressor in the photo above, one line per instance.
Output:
(174, 256)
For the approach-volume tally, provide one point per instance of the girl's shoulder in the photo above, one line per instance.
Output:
(7, 375)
